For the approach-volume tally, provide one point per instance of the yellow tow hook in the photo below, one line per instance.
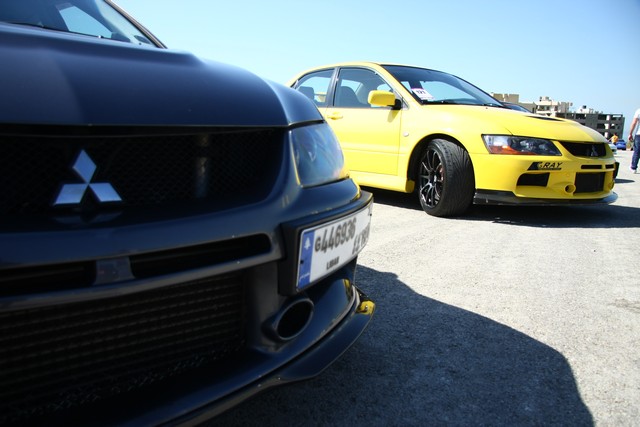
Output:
(366, 307)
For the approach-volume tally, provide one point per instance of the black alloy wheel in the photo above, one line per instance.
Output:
(445, 179)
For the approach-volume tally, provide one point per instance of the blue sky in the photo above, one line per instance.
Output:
(581, 51)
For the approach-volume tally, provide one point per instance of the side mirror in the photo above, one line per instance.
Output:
(382, 98)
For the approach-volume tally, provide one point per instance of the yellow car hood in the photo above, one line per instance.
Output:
(502, 121)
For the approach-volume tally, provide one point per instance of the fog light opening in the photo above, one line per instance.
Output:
(291, 320)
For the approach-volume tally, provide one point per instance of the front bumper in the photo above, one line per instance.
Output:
(85, 322)
(488, 197)
(306, 366)
(503, 179)
(341, 313)
(196, 399)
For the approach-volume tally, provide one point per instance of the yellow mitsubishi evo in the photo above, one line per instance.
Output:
(406, 128)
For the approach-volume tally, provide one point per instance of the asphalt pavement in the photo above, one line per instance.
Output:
(506, 316)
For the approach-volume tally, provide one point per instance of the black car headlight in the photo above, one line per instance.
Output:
(318, 155)
(521, 145)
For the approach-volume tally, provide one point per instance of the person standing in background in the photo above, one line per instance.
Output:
(614, 139)
(634, 139)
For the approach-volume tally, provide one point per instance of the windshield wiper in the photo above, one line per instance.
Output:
(463, 102)
(441, 102)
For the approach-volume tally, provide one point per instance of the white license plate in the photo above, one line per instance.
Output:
(327, 247)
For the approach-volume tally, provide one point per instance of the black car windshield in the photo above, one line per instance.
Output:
(95, 18)
(436, 87)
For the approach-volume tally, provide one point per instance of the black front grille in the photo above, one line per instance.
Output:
(225, 167)
(585, 149)
(589, 182)
(60, 357)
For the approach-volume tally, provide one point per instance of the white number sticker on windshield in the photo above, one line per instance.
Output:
(422, 94)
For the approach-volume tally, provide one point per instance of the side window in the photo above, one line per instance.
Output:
(316, 86)
(354, 85)
(384, 86)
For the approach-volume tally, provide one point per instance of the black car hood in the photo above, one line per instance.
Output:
(65, 79)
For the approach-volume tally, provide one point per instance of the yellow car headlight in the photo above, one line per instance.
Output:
(318, 156)
(520, 145)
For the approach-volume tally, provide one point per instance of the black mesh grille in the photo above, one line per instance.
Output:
(584, 149)
(589, 182)
(230, 167)
(61, 357)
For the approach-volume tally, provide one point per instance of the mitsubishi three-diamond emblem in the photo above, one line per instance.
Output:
(72, 194)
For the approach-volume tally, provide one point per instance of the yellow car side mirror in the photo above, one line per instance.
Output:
(381, 98)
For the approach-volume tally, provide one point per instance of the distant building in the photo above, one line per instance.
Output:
(548, 107)
(605, 124)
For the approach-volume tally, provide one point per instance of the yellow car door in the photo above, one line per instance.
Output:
(369, 137)
(369, 134)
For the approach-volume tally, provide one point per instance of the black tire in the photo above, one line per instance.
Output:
(446, 183)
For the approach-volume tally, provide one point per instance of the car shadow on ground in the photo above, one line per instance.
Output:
(623, 181)
(423, 362)
(585, 216)
(596, 216)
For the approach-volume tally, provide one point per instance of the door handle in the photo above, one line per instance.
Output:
(335, 116)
